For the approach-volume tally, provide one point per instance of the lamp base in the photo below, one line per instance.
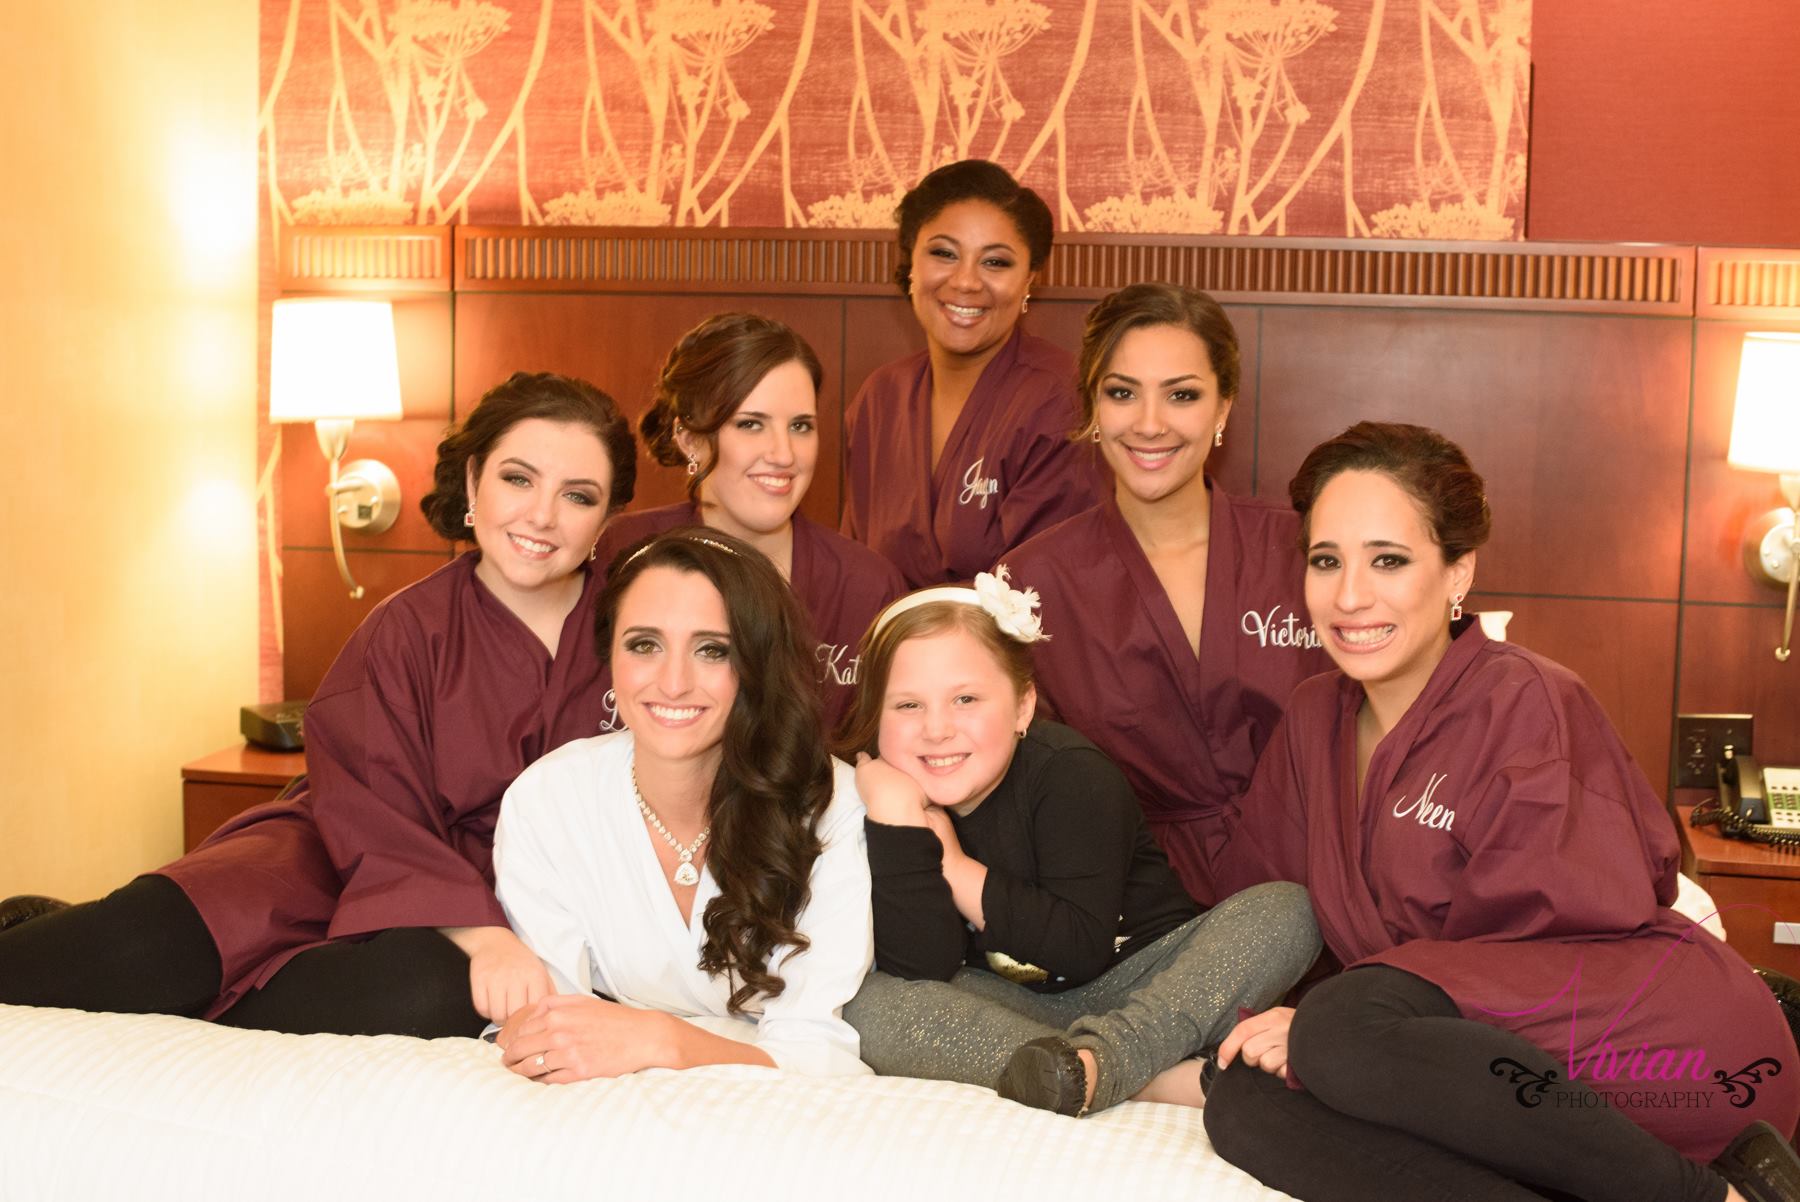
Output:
(366, 496)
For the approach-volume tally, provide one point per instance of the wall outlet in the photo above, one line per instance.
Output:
(1700, 740)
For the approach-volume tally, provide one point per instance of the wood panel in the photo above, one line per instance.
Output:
(1572, 277)
(1623, 650)
(1728, 665)
(619, 343)
(320, 616)
(1567, 418)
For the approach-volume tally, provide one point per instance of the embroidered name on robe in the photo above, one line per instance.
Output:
(976, 485)
(1425, 811)
(834, 667)
(609, 722)
(1285, 632)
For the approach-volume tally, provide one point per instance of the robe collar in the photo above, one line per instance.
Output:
(1359, 930)
(998, 369)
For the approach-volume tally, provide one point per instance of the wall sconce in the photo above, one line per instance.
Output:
(332, 362)
(1765, 437)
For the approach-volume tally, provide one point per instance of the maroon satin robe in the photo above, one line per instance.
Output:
(841, 584)
(1008, 469)
(1186, 729)
(440, 699)
(1507, 849)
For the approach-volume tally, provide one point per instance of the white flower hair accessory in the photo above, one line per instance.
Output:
(1010, 608)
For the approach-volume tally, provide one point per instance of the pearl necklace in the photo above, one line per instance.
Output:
(685, 873)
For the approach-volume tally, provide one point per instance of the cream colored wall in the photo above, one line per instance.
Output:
(128, 599)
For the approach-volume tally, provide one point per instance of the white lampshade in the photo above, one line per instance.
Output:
(1765, 427)
(331, 358)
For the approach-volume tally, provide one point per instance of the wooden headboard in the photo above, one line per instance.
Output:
(1591, 383)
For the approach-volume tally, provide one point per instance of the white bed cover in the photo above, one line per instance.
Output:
(102, 1106)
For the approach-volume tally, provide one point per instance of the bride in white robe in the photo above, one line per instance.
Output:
(652, 869)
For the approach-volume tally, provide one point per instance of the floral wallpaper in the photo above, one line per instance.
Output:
(1383, 118)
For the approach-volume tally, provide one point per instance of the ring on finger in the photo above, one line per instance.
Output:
(540, 1060)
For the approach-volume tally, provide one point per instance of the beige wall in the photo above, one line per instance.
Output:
(127, 384)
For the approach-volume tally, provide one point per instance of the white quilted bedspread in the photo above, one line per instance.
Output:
(99, 1106)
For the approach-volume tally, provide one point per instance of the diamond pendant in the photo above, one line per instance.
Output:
(685, 874)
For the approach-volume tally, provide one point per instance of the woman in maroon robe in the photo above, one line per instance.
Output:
(1522, 1010)
(365, 903)
(958, 452)
(737, 403)
(1184, 602)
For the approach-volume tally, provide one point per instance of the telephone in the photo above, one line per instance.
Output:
(1754, 802)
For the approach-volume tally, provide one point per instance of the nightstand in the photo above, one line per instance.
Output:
(226, 783)
(1754, 885)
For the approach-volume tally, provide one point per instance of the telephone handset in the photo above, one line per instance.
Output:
(1754, 802)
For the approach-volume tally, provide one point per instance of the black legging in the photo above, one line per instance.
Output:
(1399, 1102)
(144, 949)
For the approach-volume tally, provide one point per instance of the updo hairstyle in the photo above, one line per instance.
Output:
(1433, 470)
(523, 396)
(709, 372)
(1154, 304)
(973, 179)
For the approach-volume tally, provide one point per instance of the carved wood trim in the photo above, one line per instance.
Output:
(363, 258)
(1739, 283)
(1638, 279)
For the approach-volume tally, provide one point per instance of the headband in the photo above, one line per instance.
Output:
(672, 536)
(1009, 607)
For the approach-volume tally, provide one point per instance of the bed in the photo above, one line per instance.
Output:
(105, 1106)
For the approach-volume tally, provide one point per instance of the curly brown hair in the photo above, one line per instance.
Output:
(1434, 471)
(775, 776)
(522, 396)
(710, 371)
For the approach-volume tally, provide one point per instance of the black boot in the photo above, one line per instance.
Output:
(1787, 995)
(25, 907)
(1761, 1165)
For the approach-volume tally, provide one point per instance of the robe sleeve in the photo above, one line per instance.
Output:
(531, 887)
(1264, 832)
(1066, 921)
(919, 933)
(1055, 479)
(803, 1029)
(1550, 857)
(373, 792)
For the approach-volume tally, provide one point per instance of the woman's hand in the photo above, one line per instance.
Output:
(505, 976)
(570, 1037)
(1262, 1040)
(888, 794)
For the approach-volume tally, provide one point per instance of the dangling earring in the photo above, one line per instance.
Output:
(693, 466)
(1456, 607)
(594, 552)
(469, 516)
(1218, 436)
(1025, 305)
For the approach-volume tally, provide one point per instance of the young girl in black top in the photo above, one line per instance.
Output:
(1029, 934)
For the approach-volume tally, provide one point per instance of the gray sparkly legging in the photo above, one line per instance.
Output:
(1153, 1009)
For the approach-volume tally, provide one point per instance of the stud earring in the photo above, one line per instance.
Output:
(1456, 607)
(1219, 436)
(469, 516)
(1096, 434)
(1019, 733)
